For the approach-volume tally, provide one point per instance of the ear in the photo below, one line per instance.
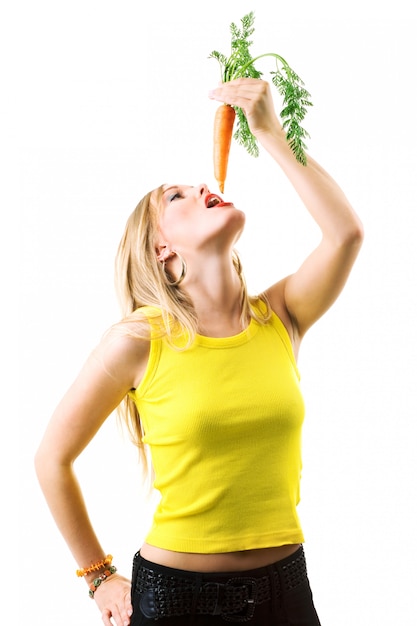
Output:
(163, 253)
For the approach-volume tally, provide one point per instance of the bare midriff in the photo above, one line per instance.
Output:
(222, 562)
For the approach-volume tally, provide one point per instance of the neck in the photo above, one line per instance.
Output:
(216, 291)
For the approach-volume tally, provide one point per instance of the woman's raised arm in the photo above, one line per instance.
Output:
(310, 291)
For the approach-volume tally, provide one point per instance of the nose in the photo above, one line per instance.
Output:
(202, 189)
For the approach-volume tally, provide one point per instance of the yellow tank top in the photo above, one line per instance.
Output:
(223, 421)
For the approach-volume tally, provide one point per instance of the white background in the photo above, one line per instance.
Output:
(104, 101)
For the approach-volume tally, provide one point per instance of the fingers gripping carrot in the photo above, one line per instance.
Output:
(223, 131)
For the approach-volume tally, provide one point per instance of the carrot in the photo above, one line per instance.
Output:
(223, 130)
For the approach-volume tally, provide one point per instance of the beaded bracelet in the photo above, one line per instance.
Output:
(97, 581)
(95, 567)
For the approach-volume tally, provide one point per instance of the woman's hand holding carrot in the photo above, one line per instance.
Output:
(254, 97)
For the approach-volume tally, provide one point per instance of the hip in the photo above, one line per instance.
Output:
(278, 593)
(218, 562)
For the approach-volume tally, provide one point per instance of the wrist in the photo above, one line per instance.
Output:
(99, 579)
(273, 135)
(97, 573)
(95, 567)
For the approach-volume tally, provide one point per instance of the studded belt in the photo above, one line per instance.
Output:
(165, 592)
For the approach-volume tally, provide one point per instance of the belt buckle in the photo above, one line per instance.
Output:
(252, 586)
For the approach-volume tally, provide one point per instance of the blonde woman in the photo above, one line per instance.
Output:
(208, 380)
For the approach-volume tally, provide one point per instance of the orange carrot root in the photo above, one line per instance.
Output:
(223, 131)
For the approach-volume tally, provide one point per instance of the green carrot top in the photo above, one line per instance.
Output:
(241, 64)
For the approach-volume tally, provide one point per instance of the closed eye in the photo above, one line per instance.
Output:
(174, 196)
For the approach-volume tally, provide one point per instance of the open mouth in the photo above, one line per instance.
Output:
(213, 200)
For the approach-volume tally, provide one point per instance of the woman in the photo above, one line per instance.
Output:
(209, 379)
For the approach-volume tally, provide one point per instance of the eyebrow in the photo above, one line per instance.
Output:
(177, 187)
(169, 188)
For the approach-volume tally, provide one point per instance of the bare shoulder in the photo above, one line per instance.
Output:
(276, 298)
(124, 350)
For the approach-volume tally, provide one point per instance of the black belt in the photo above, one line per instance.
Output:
(234, 599)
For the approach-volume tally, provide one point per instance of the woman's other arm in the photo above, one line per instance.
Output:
(113, 368)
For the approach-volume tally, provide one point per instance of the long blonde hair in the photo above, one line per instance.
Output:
(140, 280)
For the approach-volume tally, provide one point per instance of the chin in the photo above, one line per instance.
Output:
(242, 218)
(233, 223)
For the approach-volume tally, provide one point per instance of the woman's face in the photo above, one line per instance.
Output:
(193, 218)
